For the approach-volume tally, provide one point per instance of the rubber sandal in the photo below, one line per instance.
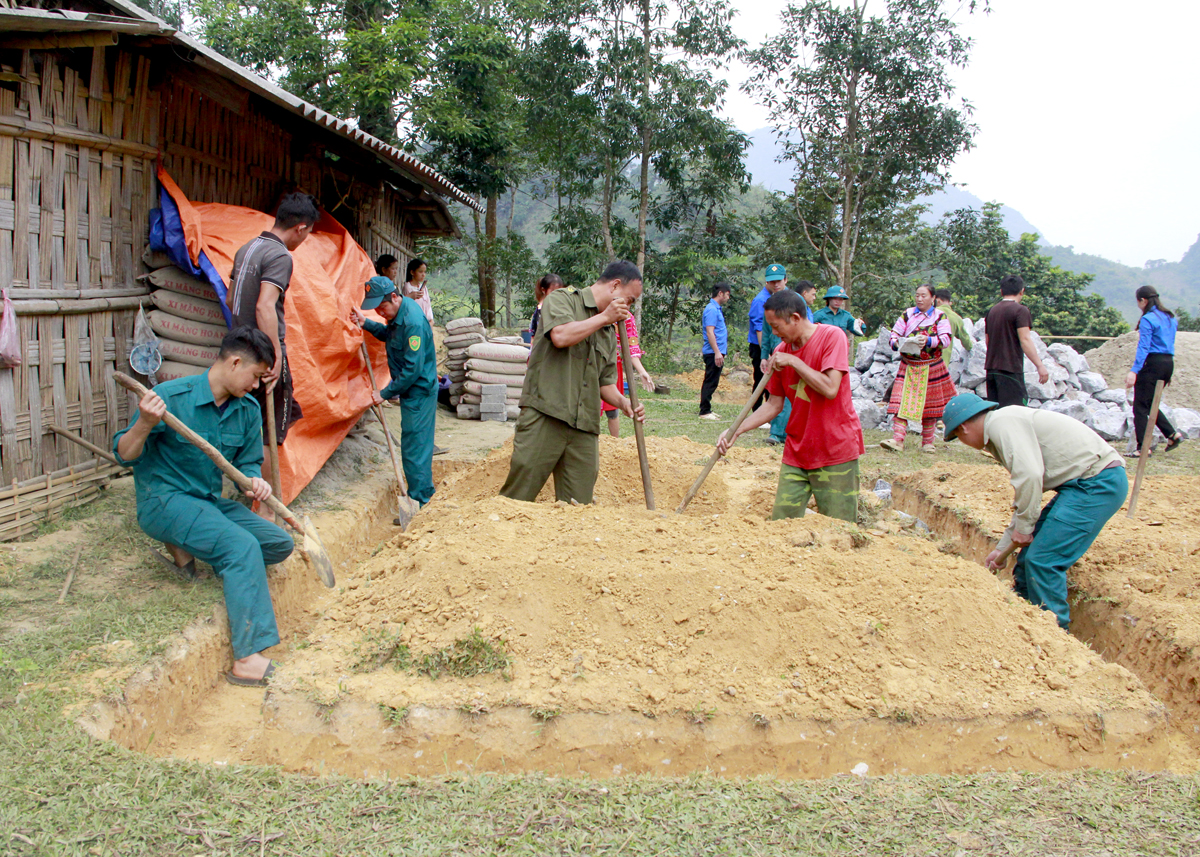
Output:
(929, 449)
(891, 445)
(252, 682)
(186, 573)
(1174, 442)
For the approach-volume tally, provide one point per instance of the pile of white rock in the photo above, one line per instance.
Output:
(1072, 389)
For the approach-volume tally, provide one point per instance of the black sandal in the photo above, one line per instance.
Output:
(1174, 441)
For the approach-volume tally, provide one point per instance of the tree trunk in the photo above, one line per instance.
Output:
(488, 307)
(480, 255)
(606, 205)
(647, 129)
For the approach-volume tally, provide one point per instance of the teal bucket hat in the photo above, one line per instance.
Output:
(775, 273)
(835, 292)
(378, 288)
(960, 409)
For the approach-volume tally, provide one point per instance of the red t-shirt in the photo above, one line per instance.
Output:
(820, 431)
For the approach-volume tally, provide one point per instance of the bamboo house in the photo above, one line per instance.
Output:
(93, 96)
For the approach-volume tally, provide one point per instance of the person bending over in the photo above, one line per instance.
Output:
(1044, 451)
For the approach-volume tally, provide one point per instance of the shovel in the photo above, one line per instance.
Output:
(639, 430)
(406, 506)
(272, 446)
(313, 548)
(741, 418)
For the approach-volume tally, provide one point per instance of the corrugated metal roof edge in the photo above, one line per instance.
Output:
(405, 163)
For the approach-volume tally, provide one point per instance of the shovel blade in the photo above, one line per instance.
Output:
(406, 507)
(318, 557)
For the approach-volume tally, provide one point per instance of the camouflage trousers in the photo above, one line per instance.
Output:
(835, 488)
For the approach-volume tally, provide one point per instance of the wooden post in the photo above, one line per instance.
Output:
(1145, 456)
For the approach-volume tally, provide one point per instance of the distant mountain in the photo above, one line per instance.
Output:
(765, 169)
(1177, 282)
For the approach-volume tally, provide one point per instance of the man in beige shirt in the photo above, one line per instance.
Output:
(1044, 451)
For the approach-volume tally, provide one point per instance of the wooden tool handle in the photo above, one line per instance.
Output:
(1147, 442)
(272, 445)
(639, 429)
(240, 479)
(712, 460)
(387, 433)
(86, 444)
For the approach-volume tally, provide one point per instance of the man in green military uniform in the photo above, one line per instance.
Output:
(412, 360)
(179, 488)
(573, 365)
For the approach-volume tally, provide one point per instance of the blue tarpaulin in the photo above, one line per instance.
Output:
(166, 236)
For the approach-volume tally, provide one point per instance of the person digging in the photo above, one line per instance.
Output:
(824, 437)
(1044, 451)
(412, 361)
(178, 489)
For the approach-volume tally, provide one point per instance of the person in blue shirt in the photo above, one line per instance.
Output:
(715, 347)
(778, 425)
(412, 361)
(776, 279)
(1154, 362)
(178, 489)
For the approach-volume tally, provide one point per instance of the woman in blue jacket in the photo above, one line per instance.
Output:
(1155, 361)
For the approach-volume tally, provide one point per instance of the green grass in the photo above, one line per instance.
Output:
(474, 655)
(62, 793)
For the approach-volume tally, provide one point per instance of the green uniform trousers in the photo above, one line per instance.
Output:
(418, 413)
(1063, 533)
(238, 544)
(834, 486)
(543, 445)
(779, 424)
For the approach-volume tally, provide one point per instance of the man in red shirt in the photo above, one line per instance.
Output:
(824, 437)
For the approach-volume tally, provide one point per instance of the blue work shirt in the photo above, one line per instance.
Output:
(411, 356)
(757, 322)
(1156, 335)
(714, 317)
(170, 464)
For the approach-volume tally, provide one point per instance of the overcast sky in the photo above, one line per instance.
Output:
(1089, 121)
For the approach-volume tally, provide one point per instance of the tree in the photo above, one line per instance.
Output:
(977, 253)
(869, 101)
(357, 59)
(469, 116)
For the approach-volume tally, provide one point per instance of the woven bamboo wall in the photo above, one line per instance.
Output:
(80, 132)
(78, 137)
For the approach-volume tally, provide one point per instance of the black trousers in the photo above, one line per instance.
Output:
(1007, 388)
(1158, 367)
(712, 377)
(755, 362)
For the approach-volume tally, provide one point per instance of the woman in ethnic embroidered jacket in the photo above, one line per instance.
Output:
(923, 385)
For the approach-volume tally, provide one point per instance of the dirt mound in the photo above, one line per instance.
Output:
(1113, 359)
(613, 608)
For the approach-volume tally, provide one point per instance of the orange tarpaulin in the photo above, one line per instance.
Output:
(329, 274)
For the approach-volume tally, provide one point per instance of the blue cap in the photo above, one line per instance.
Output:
(776, 273)
(378, 288)
(960, 409)
(835, 292)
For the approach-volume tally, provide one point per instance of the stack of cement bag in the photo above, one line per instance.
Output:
(1072, 388)
(493, 363)
(186, 318)
(461, 333)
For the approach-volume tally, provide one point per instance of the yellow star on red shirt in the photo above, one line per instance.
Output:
(801, 390)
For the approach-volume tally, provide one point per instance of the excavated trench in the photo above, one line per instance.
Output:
(1132, 596)
(646, 642)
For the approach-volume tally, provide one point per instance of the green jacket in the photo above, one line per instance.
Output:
(843, 319)
(564, 383)
(411, 355)
(959, 330)
(170, 464)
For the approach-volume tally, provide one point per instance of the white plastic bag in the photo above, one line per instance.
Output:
(10, 335)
